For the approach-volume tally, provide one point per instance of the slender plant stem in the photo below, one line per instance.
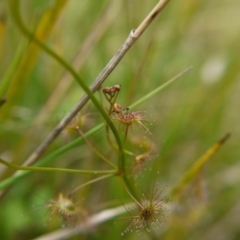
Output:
(49, 169)
(95, 150)
(158, 89)
(90, 182)
(128, 192)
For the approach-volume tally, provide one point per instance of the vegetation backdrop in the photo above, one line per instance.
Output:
(185, 119)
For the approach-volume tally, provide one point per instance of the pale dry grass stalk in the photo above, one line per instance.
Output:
(88, 225)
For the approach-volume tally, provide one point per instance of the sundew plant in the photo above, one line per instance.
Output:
(112, 115)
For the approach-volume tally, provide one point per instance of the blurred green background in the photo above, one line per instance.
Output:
(189, 116)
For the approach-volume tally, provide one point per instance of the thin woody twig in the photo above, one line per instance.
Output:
(133, 36)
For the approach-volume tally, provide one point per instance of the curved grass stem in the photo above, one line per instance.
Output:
(95, 150)
(49, 169)
(14, 7)
(129, 193)
(161, 87)
(90, 182)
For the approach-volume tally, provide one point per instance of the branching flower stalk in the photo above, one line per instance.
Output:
(134, 35)
(124, 116)
(54, 155)
(111, 94)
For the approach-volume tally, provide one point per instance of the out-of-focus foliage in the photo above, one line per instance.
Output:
(189, 116)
